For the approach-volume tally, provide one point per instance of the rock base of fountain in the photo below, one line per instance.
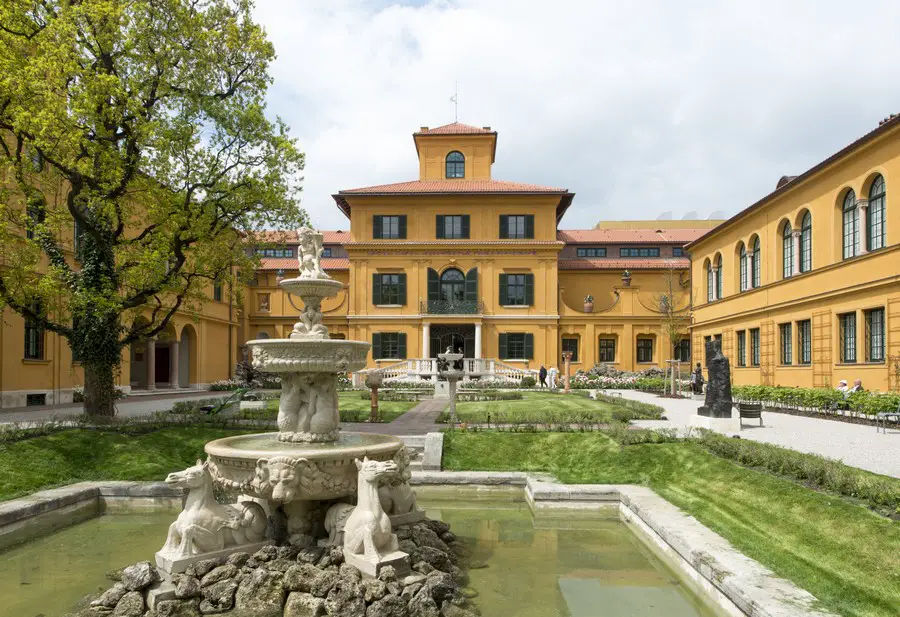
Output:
(175, 565)
(372, 567)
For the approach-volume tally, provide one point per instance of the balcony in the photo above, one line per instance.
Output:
(451, 307)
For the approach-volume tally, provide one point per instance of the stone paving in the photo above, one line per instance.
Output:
(417, 421)
(857, 445)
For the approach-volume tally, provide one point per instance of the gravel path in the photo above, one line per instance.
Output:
(854, 444)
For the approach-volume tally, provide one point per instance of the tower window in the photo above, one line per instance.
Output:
(456, 165)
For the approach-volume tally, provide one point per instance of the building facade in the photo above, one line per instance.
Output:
(459, 259)
(803, 287)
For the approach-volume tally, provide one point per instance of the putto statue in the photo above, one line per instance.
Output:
(311, 254)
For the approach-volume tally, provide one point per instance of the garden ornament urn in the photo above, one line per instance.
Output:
(589, 304)
(626, 278)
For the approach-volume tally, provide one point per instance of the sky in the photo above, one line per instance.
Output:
(639, 108)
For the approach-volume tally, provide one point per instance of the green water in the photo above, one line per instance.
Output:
(571, 566)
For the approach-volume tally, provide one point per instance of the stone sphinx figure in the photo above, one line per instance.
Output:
(204, 525)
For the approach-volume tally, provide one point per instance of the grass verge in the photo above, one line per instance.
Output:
(844, 554)
(351, 406)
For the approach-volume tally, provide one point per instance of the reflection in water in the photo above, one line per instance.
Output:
(567, 567)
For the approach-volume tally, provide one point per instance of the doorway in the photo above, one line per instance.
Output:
(460, 337)
(162, 364)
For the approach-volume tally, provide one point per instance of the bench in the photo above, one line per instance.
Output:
(751, 411)
(881, 419)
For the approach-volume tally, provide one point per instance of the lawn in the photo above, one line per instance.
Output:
(534, 405)
(842, 553)
(352, 406)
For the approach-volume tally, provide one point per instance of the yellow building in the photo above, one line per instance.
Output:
(803, 286)
(457, 258)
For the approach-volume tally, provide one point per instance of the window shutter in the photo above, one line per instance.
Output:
(439, 230)
(504, 292)
(402, 227)
(465, 226)
(434, 291)
(376, 289)
(502, 350)
(376, 227)
(529, 289)
(504, 226)
(376, 346)
(401, 344)
(402, 284)
(472, 285)
(529, 346)
(529, 226)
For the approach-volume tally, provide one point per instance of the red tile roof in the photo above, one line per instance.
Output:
(629, 236)
(453, 186)
(624, 264)
(335, 237)
(456, 128)
(289, 236)
(291, 267)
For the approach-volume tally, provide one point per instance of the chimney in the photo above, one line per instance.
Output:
(423, 129)
(486, 128)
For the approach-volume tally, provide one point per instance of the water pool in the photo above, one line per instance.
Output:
(560, 566)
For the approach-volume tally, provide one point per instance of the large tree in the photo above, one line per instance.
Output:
(139, 128)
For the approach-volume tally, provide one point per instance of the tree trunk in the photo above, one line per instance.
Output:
(99, 391)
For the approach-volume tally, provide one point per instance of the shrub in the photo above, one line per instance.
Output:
(224, 385)
(866, 403)
(527, 382)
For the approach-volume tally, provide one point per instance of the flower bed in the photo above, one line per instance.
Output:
(586, 381)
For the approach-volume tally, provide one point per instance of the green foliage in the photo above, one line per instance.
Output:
(527, 382)
(865, 403)
(142, 124)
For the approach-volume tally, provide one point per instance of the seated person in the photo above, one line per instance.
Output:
(842, 387)
(857, 387)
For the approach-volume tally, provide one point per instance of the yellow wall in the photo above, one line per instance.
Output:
(833, 286)
(433, 151)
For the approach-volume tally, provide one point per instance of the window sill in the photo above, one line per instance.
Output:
(388, 305)
(847, 363)
(523, 361)
(516, 306)
(33, 361)
(390, 360)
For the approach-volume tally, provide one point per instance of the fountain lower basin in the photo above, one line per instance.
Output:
(308, 356)
(317, 471)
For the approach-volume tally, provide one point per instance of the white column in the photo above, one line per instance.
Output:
(426, 340)
(795, 238)
(477, 340)
(151, 364)
(716, 284)
(173, 364)
(862, 207)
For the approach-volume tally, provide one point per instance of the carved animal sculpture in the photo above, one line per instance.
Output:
(205, 525)
(335, 521)
(396, 495)
(277, 478)
(368, 529)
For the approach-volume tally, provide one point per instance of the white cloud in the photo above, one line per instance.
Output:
(638, 108)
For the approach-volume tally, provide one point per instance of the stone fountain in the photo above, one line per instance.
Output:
(309, 483)
(447, 369)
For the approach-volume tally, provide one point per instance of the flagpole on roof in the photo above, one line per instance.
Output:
(455, 100)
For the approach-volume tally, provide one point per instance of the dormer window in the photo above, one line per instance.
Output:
(456, 165)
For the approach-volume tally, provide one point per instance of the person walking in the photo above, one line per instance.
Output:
(542, 374)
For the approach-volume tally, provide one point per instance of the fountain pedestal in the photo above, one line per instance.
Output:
(447, 370)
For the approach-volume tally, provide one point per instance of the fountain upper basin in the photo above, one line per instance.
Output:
(320, 470)
(308, 356)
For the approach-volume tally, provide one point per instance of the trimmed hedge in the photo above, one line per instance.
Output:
(817, 399)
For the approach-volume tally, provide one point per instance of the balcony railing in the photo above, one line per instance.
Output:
(451, 307)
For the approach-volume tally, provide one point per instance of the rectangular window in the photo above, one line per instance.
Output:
(741, 347)
(875, 335)
(804, 341)
(217, 291)
(326, 251)
(591, 251)
(787, 344)
(645, 350)
(34, 337)
(706, 339)
(389, 227)
(389, 346)
(683, 350)
(571, 344)
(452, 227)
(517, 226)
(847, 324)
(644, 251)
(516, 289)
(35, 399)
(754, 347)
(607, 350)
(388, 289)
(516, 346)
(677, 251)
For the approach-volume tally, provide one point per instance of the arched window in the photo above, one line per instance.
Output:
(787, 250)
(875, 220)
(806, 243)
(453, 286)
(754, 282)
(743, 266)
(718, 277)
(850, 225)
(456, 165)
(710, 282)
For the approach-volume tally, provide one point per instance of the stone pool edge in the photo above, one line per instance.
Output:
(732, 581)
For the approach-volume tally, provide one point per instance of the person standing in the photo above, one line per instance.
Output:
(542, 374)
